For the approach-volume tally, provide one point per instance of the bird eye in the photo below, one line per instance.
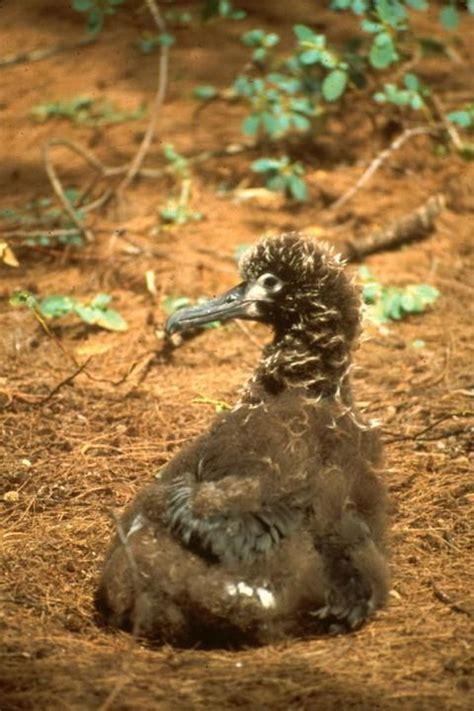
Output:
(270, 282)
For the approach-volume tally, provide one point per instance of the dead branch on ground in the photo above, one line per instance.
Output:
(446, 600)
(38, 54)
(132, 169)
(416, 225)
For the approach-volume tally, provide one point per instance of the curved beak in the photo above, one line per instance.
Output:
(235, 303)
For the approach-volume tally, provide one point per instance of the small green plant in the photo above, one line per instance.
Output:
(96, 11)
(222, 8)
(412, 94)
(95, 312)
(262, 43)
(148, 42)
(464, 118)
(175, 303)
(177, 211)
(293, 93)
(43, 215)
(391, 303)
(85, 111)
(281, 175)
(178, 17)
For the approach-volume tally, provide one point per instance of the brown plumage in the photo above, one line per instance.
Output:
(271, 523)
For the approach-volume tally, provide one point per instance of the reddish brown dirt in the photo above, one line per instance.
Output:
(94, 443)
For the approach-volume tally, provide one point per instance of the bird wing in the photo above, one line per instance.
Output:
(245, 485)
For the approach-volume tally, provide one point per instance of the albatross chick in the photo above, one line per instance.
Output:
(271, 523)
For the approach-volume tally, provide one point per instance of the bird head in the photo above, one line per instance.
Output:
(291, 283)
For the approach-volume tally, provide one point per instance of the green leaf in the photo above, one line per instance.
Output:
(392, 304)
(252, 38)
(416, 102)
(166, 40)
(271, 40)
(449, 17)
(365, 274)
(426, 292)
(461, 118)
(470, 6)
(101, 301)
(334, 84)
(370, 292)
(411, 81)
(382, 52)
(251, 125)
(359, 7)
(301, 123)
(270, 123)
(23, 298)
(276, 183)
(297, 188)
(204, 92)
(370, 26)
(109, 319)
(310, 56)
(82, 5)
(264, 165)
(420, 5)
(304, 33)
(55, 306)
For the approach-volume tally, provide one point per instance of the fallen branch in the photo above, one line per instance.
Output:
(446, 600)
(38, 401)
(37, 54)
(144, 147)
(416, 225)
(378, 162)
(133, 168)
(60, 194)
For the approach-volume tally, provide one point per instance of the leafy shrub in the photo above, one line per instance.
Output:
(95, 313)
(391, 303)
(283, 176)
(177, 210)
(84, 110)
(96, 11)
(43, 215)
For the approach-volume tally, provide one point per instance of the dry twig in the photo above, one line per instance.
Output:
(446, 600)
(378, 162)
(37, 54)
(157, 103)
(415, 225)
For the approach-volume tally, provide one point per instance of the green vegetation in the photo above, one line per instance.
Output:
(283, 176)
(52, 225)
(391, 303)
(85, 111)
(177, 210)
(95, 312)
(96, 11)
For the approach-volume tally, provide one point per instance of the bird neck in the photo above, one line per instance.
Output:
(314, 359)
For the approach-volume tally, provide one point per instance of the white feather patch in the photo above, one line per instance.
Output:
(137, 523)
(264, 596)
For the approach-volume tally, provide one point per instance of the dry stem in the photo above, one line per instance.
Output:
(378, 162)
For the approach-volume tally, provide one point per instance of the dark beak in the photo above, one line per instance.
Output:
(232, 304)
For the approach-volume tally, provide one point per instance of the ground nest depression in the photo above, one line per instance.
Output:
(75, 450)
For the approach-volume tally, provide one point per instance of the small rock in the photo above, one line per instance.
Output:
(11, 496)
